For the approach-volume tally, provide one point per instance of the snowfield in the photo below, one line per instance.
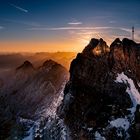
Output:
(121, 122)
(50, 113)
(98, 136)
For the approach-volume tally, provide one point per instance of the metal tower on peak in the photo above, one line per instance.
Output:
(133, 31)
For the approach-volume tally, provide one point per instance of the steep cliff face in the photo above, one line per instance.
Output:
(102, 94)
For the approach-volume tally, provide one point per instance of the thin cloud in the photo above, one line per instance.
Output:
(75, 23)
(85, 33)
(1, 27)
(71, 28)
(84, 36)
(126, 29)
(19, 8)
(90, 31)
(112, 21)
(101, 29)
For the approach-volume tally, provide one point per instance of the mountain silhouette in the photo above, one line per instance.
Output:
(102, 96)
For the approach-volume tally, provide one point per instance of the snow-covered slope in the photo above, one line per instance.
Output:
(49, 126)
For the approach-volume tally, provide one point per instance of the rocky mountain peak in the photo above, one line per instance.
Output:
(129, 42)
(117, 41)
(96, 47)
(26, 65)
(94, 42)
(103, 86)
(48, 63)
(124, 56)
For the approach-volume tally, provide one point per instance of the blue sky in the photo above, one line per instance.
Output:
(68, 20)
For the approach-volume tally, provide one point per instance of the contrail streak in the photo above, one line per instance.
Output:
(19, 8)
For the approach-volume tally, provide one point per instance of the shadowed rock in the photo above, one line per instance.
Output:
(92, 96)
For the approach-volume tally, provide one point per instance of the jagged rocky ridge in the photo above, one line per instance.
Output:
(29, 96)
(102, 100)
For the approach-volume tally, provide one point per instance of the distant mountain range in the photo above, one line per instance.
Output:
(12, 60)
(29, 93)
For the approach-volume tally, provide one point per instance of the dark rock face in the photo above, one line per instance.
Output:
(124, 56)
(92, 96)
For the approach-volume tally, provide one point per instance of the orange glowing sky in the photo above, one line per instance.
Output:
(20, 46)
(64, 25)
(42, 46)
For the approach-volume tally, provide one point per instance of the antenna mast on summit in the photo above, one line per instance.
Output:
(133, 31)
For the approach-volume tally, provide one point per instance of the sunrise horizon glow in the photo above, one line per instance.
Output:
(65, 26)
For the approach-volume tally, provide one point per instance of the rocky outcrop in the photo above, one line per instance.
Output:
(95, 101)
(125, 56)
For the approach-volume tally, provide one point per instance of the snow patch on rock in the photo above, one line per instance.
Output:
(98, 136)
(51, 111)
(30, 137)
(121, 122)
(131, 89)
